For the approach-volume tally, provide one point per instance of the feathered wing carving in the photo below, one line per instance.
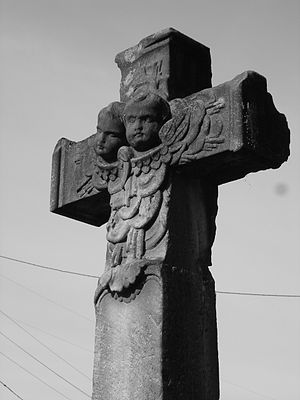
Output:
(193, 129)
(139, 189)
(98, 174)
(137, 223)
(91, 174)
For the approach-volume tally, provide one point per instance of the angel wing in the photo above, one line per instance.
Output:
(97, 178)
(92, 172)
(189, 132)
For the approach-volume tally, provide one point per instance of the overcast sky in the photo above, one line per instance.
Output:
(57, 71)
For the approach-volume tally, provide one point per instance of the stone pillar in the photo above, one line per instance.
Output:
(158, 339)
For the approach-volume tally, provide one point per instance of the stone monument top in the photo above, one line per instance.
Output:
(152, 172)
(168, 62)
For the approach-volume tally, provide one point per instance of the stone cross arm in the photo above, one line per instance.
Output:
(254, 136)
(66, 176)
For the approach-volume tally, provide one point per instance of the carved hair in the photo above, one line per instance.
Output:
(113, 112)
(153, 99)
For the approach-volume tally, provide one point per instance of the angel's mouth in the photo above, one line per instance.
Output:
(139, 135)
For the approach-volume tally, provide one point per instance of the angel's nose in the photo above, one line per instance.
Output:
(138, 125)
(101, 139)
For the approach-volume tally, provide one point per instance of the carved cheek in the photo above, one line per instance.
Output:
(111, 146)
(129, 133)
(153, 129)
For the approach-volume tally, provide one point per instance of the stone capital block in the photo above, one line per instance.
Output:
(166, 62)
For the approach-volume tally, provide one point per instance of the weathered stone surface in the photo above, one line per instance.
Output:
(67, 173)
(160, 343)
(168, 62)
(128, 344)
(73, 164)
(156, 335)
(256, 137)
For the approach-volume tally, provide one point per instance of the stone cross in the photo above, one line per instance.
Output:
(152, 172)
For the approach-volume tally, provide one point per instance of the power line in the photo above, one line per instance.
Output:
(44, 345)
(250, 391)
(258, 294)
(46, 298)
(10, 389)
(36, 377)
(94, 276)
(44, 365)
(46, 267)
(56, 337)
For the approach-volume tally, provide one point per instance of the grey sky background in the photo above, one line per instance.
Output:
(57, 71)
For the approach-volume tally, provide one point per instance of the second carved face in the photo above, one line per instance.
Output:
(110, 134)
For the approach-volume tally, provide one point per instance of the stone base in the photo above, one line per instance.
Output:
(159, 343)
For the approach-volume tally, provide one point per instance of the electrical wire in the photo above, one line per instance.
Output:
(44, 365)
(10, 389)
(249, 390)
(56, 337)
(259, 294)
(46, 267)
(44, 345)
(94, 276)
(46, 298)
(36, 377)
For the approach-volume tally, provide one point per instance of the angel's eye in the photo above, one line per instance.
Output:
(131, 119)
(113, 134)
(149, 119)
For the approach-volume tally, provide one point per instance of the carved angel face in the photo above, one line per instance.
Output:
(109, 138)
(143, 122)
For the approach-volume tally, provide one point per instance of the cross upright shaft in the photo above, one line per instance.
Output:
(156, 336)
